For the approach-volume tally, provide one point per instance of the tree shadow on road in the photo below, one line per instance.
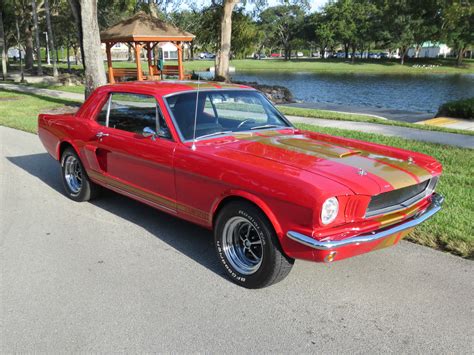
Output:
(189, 239)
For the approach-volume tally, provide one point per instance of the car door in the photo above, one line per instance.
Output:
(125, 158)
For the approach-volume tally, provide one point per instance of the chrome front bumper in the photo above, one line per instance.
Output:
(420, 217)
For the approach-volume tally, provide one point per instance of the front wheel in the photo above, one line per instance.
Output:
(248, 248)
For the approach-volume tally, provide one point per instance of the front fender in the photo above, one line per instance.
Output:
(255, 200)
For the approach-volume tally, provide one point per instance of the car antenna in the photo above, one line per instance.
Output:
(193, 147)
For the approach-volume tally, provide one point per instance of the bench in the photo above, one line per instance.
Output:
(122, 74)
(169, 70)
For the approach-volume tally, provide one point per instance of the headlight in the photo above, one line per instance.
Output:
(329, 210)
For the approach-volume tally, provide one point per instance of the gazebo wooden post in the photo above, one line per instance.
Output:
(108, 47)
(138, 48)
(180, 60)
(150, 63)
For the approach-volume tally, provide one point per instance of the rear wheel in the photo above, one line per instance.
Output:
(76, 183)
(248, 248)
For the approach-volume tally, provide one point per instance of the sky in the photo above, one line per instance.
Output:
(315, 4)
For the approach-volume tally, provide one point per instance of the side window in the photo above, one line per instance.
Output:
(130, 112)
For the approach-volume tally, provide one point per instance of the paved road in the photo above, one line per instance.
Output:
(459, 140)
(115, 275)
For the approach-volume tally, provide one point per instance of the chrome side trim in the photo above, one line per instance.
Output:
(436, 203)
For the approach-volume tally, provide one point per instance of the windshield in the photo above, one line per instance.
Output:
(223, 112)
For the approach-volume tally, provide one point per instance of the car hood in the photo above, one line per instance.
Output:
(365, 168)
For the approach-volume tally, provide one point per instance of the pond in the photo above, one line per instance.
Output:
(412, 93)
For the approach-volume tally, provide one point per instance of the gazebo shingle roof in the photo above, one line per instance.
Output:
(143, 27)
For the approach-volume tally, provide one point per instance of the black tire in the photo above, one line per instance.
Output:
(84, 189)
(249, 228)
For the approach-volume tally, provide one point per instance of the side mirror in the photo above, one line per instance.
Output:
(148, 132)
(164, 133)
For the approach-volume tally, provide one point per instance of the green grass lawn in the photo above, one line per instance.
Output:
(341, 66)
(450, 230)
(412, 66)
(20, 111)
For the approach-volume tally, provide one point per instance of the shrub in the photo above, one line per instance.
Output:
(460, 108)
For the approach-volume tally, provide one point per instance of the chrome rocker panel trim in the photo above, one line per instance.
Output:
(436, 203)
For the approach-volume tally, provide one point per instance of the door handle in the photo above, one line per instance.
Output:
(101, 135)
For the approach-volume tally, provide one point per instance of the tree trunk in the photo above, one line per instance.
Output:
(3, 44)
(403, 53)
(51, 38)
(346, 50)
(28, 48)
(460, 57)
(353, 54)
(91, 48)
(76, 12)
(68, 60)
(19, 50)
(37, 37)
(222, 67)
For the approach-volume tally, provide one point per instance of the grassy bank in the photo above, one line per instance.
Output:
(331, 115)
(341, 66)
(460, 109)
(333, 66)
(450, 230)
(20, 111)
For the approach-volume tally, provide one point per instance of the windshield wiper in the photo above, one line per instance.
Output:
(213, 134)
(267, 126)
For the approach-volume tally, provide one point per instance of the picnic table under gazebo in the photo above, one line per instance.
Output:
(143, 31)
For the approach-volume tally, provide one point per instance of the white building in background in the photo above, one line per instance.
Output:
(120, 51)
(430, 50)
(169, 50)
(15, 53)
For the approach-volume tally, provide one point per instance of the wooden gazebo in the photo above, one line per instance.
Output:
(144, 31)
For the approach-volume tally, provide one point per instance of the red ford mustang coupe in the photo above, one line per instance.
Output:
(223, 157)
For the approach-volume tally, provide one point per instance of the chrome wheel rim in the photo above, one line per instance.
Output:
(242, 245)
(73, 174)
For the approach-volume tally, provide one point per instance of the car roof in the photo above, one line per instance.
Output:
(167, 87)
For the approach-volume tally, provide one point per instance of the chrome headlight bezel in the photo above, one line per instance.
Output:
(329, 210)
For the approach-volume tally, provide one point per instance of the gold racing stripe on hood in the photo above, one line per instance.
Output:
(394, 176)
(418, 172)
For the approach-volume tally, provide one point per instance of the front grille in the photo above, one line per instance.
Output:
(401, 198)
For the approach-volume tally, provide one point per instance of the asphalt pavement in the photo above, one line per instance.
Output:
(115, 275)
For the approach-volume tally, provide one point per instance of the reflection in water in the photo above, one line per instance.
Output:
(417, 93)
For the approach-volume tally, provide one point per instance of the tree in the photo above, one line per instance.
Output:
(37, 36)
(324, 34)
(3, 43)
(49, 28)
(23, 17)
(85, 12)
(458, 29)
(284, 24)
(223, 54)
